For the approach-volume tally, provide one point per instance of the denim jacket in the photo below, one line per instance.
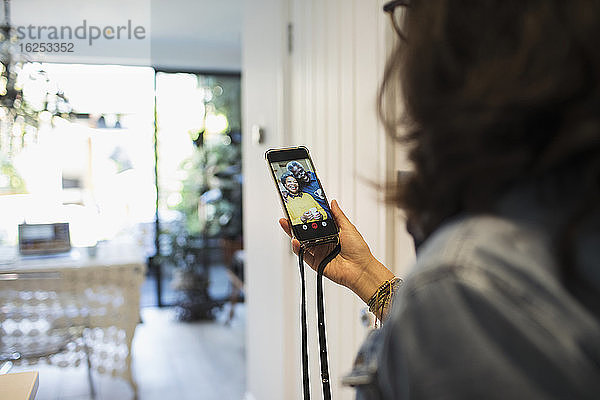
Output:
(484, 314)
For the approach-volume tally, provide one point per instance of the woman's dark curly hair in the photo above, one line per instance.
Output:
(486, 93)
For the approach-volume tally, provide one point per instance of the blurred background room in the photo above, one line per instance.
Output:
(140, 255)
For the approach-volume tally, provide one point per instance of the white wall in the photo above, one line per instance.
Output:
(336, 66)
(179, 34)
(196, 34)
(269, 279)
(322, 95)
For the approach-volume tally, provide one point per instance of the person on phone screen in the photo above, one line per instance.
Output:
(309, 184)
(301, 206)
(502, 101)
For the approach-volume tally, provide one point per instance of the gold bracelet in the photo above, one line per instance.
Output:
(381, 299)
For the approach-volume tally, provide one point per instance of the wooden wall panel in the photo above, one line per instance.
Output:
(322, 94)
(339, 49)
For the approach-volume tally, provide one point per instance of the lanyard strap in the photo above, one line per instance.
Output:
(305, 378)
(321, 326)
(321, 320)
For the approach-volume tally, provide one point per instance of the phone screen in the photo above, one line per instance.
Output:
(302, 194)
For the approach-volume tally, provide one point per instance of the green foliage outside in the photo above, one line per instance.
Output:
(212, 191)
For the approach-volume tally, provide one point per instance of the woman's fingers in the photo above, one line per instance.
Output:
(295, 246)
(309, 259)
(285, 225)
(311, 254)
(314, 255)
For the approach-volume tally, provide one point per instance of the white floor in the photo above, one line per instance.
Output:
(172, 360)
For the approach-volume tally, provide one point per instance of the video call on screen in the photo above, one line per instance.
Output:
(303, 197)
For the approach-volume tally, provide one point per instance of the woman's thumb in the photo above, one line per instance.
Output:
(340, 217)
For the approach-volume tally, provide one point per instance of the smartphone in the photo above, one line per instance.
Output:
(302, 196)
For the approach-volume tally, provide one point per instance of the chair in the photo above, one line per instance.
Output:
(235, 272)
(35, 323)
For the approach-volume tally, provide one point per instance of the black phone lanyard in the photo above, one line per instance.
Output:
(321, 328)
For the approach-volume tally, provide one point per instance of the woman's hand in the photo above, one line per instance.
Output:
(355, 267)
